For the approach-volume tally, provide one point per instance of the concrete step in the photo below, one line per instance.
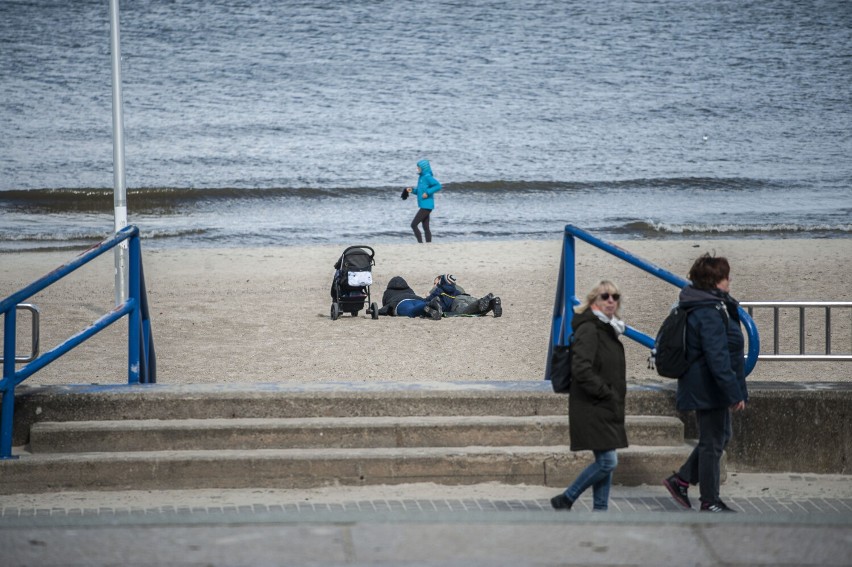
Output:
(221, 401)
(160, 437)
(552, 466)
(349, 432)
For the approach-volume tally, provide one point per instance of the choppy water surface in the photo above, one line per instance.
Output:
(276, 122)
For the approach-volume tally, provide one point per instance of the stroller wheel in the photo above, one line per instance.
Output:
(374, 310)
(335, 311)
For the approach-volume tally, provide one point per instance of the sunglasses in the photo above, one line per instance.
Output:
(605, 296)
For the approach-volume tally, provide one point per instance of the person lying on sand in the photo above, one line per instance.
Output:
(400, 300)
(455, 301)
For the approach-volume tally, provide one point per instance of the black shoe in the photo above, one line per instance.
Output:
(434, 309)
(678, 490)
(496, 307)
(717, 506)
(561, 502)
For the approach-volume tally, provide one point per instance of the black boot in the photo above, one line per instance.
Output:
(496, 307)
(484, 304)
(433, 310)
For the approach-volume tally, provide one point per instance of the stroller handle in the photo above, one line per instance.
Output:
(372, 252)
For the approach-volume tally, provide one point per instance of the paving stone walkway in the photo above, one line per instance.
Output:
(839, 508)
(639, 529)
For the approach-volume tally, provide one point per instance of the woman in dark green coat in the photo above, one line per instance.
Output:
(598, 387)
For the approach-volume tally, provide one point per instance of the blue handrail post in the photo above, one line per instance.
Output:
(7, 385)
(566, 299)
(140, 320)
(148, 373)
(569, 297)
(753, 340)
(135, 319)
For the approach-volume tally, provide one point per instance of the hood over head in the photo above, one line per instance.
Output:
(425, 167)
(690, 294)
(398, 282)
(690, 297)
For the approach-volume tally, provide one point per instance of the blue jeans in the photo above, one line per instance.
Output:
(411, 308)
(598, 475)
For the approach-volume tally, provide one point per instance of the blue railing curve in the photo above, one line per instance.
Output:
(141, 360)
(566, 296)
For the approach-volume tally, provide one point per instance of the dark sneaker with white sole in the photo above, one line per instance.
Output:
(717, 506)
(678, 489)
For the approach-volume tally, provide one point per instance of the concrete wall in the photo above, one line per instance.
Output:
(802, 428)
(795, 431)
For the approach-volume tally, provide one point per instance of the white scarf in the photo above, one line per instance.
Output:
(615, 322)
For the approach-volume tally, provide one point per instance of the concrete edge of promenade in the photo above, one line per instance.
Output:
(788, 427)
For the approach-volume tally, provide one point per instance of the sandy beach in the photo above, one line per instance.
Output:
(262, 315)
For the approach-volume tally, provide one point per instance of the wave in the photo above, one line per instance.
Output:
(93, 235)
(656, 229)
(151, 199)
(170, 199)
(664, 183)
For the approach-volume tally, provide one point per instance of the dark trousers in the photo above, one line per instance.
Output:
(703, 467)
(422, 216)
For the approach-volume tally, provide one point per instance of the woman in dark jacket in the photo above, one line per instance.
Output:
(598, 387)
(714, 384)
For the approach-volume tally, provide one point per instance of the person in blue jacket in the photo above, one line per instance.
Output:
(454, 300)
(713, 385)
(426, 188)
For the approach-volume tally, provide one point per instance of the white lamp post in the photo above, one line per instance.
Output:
(120, 190)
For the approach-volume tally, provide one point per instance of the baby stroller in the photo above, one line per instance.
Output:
(350, 289)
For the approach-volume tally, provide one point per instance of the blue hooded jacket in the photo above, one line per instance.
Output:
(426, 184)
(446, 291)
(717, 378)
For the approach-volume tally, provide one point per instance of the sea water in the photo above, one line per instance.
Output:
(271, 122)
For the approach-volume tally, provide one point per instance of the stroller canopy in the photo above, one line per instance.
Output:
(355, 260)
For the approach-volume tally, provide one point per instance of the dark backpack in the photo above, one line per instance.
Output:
(669, 354)
(560, 367)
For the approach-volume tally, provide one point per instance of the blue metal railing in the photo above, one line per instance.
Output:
(566, 296)
(141, 359)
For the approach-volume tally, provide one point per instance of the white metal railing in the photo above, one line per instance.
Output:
(34, 335)
(802, 307)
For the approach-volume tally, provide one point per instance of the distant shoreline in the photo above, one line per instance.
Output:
(161, 242)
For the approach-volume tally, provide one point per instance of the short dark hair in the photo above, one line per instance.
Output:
(707, 271)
